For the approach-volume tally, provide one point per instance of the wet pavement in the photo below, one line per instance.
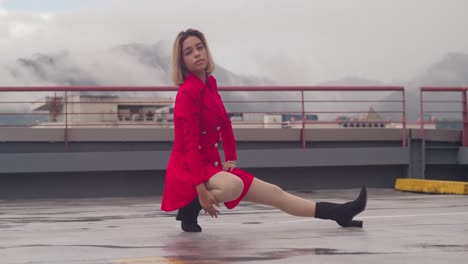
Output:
(398, 228)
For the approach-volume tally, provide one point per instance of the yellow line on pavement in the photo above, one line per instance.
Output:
(149, 260)
(162, 260)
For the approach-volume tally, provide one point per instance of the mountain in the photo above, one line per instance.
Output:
(347, 108)
(130, 64)
(353, 81)
(451, 71)
(149, 65)
(54, 69)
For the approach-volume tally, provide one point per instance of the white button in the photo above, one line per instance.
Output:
(216, 145)
(203, 132)
(216, 164)
(199, 147)
(218, 128)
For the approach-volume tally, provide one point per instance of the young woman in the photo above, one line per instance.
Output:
(196, 178)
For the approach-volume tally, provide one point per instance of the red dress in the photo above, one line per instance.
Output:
(200, 121)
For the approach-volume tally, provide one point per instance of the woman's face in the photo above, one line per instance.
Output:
(195, 55)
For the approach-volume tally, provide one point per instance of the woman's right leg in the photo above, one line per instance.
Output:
(266, 193)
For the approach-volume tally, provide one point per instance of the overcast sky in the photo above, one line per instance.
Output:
(290, 41)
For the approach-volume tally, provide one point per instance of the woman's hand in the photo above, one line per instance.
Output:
(229, 165)
(207, 201)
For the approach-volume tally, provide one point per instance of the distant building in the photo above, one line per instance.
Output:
(87, 110)
(371, 119)
(268, 120)
(295, 117)
(114, 111)
(430, 122)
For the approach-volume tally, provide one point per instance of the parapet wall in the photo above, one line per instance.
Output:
(115, 162)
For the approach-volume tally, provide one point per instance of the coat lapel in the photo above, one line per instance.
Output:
(211, 101)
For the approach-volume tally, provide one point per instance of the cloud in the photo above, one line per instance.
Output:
(292, 42)
(3, 12)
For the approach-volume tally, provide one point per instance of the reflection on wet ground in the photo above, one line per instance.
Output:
(398, 227)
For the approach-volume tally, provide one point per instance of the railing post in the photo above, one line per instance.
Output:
(66, 120)
(303, 121)
(403, 119)
(465, 118)
(421, 113)
(423, 138)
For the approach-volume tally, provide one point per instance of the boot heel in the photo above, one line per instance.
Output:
(178, 216)
(354, 223)
(190, 227)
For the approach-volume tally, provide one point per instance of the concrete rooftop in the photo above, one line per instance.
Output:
(399, 228)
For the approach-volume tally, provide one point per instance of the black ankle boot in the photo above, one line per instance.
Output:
(343, 214)
(189, 215)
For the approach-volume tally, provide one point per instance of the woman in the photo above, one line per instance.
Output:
(196, 178)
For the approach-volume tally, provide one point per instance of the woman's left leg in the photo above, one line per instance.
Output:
(272, 195)
(269, 194)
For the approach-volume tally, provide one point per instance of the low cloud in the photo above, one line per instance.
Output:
(294, 42)
(290, 42)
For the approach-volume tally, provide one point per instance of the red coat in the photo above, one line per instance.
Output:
(200, 121)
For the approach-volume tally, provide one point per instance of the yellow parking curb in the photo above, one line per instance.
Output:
(431, 186)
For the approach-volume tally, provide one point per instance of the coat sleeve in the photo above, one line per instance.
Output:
(188, 118)
(227, 137)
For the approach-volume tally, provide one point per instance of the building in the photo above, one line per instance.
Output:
(87, 110)
(371, 119)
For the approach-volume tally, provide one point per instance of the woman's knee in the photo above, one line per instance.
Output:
(227, 183)
(276, 190)
(237, 187)
(276, 194)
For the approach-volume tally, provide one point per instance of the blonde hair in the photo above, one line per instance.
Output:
(179, 71)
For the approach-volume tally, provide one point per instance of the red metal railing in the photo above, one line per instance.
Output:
(300, 91)
(463, 103)
(342, 89)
